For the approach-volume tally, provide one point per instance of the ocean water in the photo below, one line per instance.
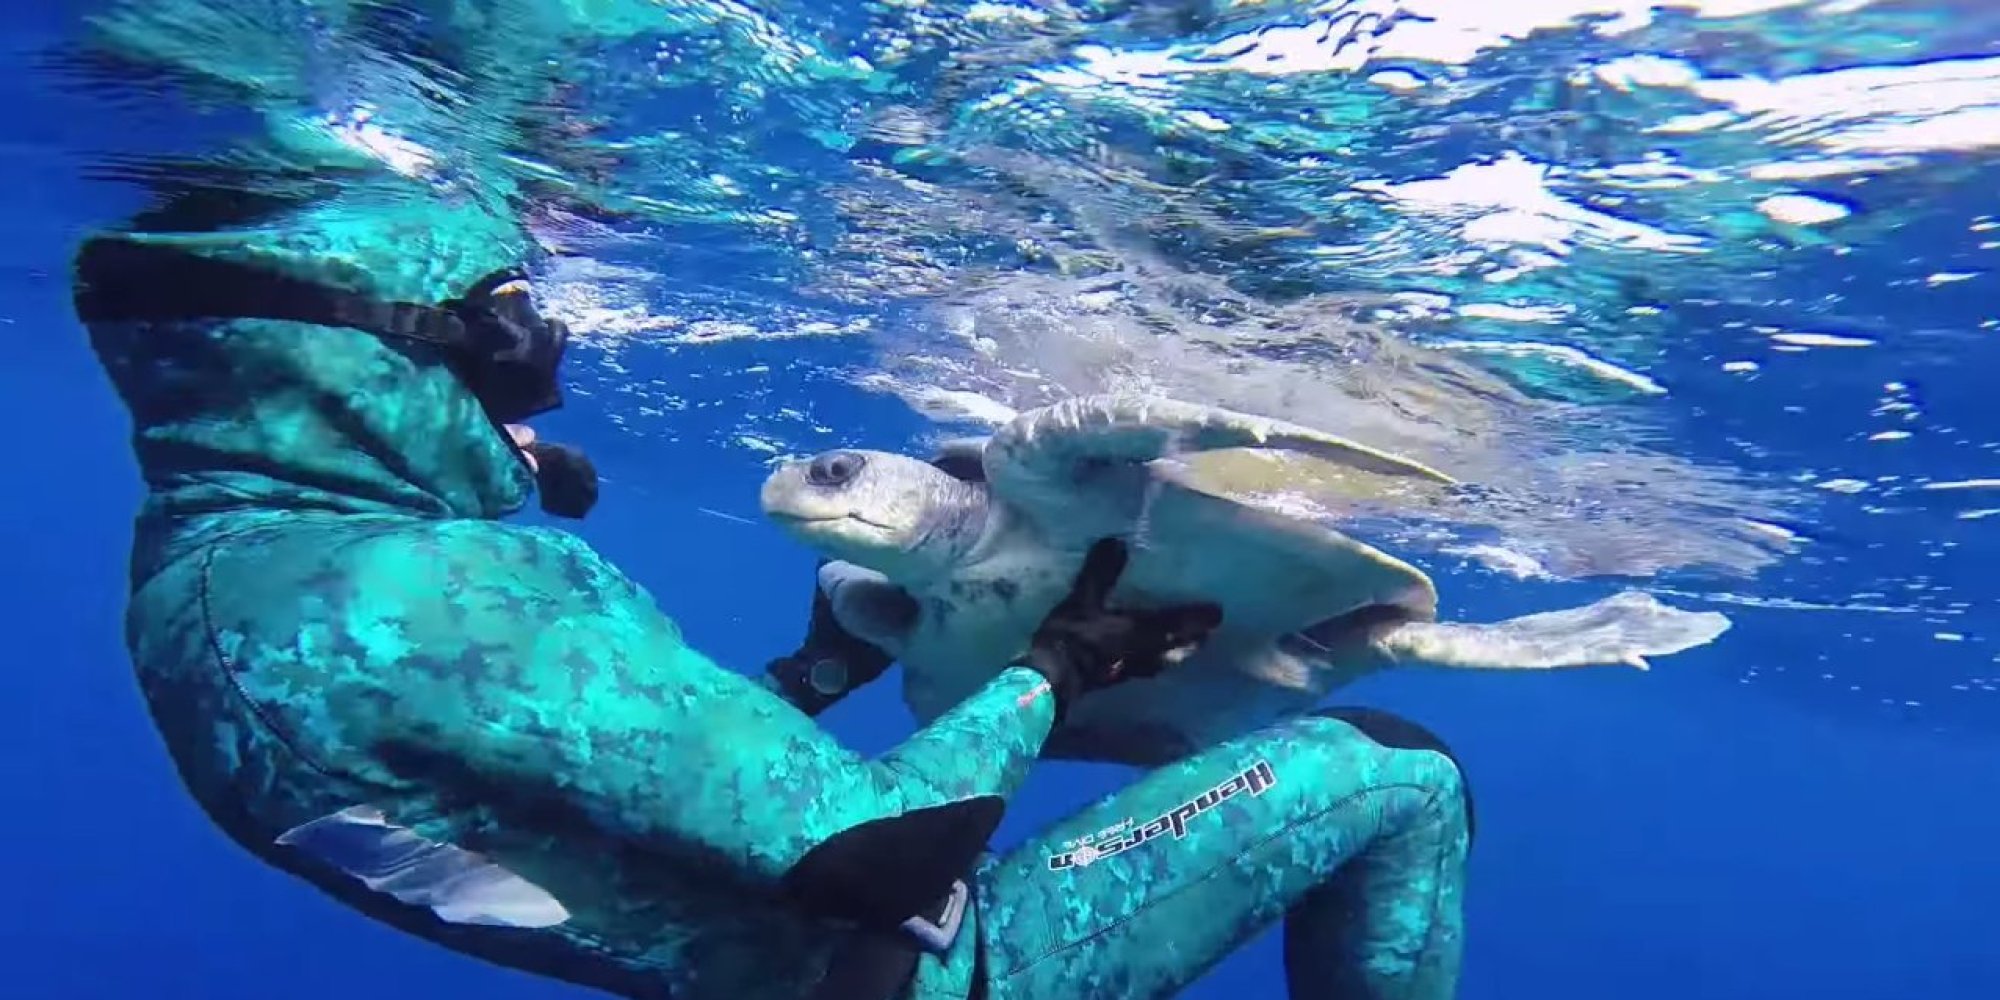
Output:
(1701, 295)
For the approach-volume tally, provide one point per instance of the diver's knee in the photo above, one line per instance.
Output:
(1387, 729)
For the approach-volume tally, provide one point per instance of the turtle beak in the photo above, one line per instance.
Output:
(798, 494)
(785, 496)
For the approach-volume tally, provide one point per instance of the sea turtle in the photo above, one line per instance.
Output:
(949, 565)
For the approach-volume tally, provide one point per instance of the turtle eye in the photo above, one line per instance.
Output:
(835, 468)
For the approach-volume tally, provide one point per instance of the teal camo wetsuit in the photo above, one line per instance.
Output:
(324, 615)
(358, 669)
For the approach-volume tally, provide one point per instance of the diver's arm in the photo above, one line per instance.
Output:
(597, 705)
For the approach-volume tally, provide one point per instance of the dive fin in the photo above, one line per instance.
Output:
(459, 886)
(883, 871)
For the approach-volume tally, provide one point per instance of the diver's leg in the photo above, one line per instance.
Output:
(1352, 927)
(1201, 855)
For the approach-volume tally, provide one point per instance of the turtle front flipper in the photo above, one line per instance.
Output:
(868, 605)
(1620, 630)
(1053, 443)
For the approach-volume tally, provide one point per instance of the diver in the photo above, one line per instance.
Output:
(486, 735)
(483, 733)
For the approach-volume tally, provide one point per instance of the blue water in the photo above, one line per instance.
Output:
(1806, 808)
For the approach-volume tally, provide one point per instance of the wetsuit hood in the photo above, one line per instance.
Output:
(261, 414)
(258, 414)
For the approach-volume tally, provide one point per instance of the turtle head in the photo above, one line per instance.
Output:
(901, 517)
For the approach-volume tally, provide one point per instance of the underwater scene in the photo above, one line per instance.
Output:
(1390, 499)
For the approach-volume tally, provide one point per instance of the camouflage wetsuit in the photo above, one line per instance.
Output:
(326, 613)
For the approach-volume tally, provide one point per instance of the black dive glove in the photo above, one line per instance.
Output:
(1083, 646)
(829, 663)
(565, 478)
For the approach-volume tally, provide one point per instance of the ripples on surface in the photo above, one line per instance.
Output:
(1691, 292)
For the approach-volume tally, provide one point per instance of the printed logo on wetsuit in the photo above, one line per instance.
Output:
(1123, 836)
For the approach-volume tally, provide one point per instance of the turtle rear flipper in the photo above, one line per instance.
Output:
(1620, 630)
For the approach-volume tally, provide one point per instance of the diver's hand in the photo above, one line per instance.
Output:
(1083, 646)
(830, 662)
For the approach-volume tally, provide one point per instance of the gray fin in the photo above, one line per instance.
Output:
(461, 887)
(868, 606)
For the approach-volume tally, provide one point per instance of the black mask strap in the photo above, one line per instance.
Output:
(121, 281)
(505, 352)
